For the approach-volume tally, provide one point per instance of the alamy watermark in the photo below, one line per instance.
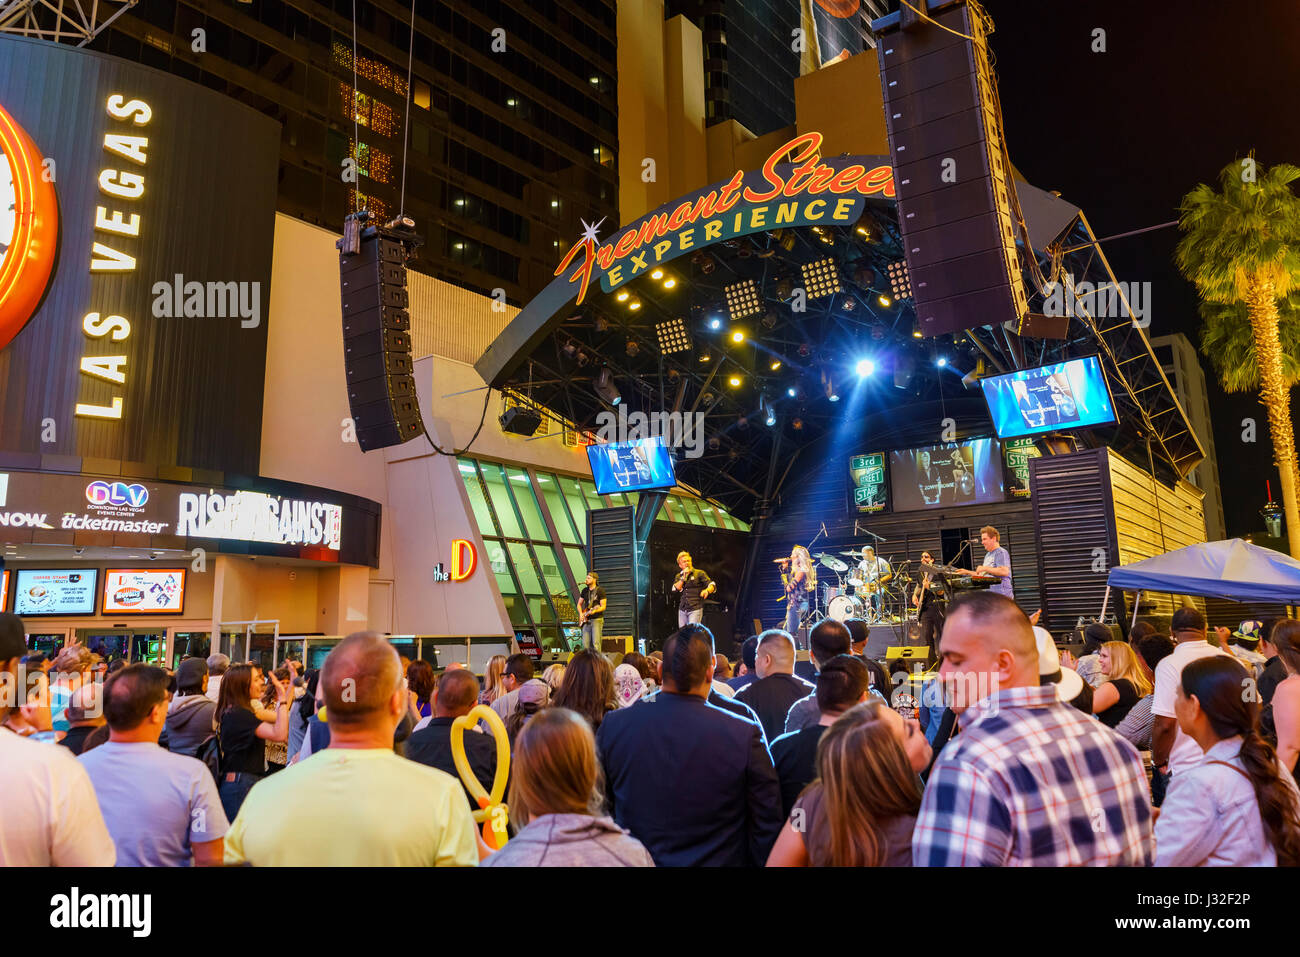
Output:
(179, 299)
(1105, 301)
(679, 430)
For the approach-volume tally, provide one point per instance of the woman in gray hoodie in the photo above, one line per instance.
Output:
(189, 717)
(555, 801)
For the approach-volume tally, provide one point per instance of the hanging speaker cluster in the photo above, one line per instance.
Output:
(377, 332)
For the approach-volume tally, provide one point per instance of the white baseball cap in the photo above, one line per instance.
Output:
(1067, 680)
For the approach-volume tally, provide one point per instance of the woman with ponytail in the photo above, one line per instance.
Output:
(1239, 807)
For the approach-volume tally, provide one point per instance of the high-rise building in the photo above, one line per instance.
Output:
(512, 133)
(754, 49)
(1182, 366)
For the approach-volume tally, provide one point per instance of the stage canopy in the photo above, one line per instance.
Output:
(1233, 569)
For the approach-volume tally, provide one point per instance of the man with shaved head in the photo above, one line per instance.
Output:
(457, 695)
(337, 807)
(777, 687)
(1030, 780)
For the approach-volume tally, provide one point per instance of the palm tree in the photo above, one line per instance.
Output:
(1242, 249)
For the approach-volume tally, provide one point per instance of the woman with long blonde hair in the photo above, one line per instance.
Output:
(861, 809)
(800, 584)
(493, 676)
(1124, 686)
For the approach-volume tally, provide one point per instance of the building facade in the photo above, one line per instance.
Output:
(1182, 366)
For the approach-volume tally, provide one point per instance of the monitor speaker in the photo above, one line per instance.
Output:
(377, 337)
(954, 190)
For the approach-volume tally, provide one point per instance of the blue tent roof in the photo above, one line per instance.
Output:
(1232, 569)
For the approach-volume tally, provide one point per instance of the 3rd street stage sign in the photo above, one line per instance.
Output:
(805, 191)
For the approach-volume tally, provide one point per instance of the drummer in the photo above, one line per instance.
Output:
(874, 571)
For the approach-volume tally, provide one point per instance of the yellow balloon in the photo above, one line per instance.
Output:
(491, 812)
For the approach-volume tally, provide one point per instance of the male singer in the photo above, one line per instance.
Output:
(695, 586)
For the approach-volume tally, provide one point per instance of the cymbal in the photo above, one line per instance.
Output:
(833, 563)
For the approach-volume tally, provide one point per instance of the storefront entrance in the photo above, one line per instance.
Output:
(136, 646)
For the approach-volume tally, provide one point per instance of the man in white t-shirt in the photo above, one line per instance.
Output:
(161, 807)
(48, 812)
(1171, 750)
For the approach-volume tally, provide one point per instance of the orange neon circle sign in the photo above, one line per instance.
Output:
(29, 257)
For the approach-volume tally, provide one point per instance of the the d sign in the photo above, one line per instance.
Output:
(463, 560)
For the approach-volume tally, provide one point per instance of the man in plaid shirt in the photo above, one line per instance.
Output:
(1029, 781)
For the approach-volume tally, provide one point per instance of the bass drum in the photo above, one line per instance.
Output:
(843, 608)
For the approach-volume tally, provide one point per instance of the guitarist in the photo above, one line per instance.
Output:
(591, 611)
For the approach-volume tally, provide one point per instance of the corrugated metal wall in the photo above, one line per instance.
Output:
(612, 555)
(449, 321)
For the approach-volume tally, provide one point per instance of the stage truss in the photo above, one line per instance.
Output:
(62, 21)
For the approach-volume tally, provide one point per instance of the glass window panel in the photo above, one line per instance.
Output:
(692, 512)
(517, 609)
(500, 565)
(527, 502)
(190, 645)
(550, 564)
(593, 500)
(290, 648)
(523, 565)
(494, 478)
(577, 563)
(710, 515)
(405, 646)
(572, 489)
(616, 499)
(672, 510)
(554, 497)
(476, 501)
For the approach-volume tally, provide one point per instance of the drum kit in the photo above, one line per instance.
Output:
(857, 594)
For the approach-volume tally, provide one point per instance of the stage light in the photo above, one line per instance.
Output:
(734, 381)
(705, 357)
(602, 324)
(784, 289)
(634, 305)
(622, 296)
(605, 388)
(821, 278)
(769, 319)
(771, 417)
(865, 367)
(941, 362)
(673, 336)
(570, 349)
(657, 274)
(805, 350)
(715, 323)
(776, 365)
(899, 280)
(834, 397)
(632, 347)
(737, 336)
(885, 301)
(797, 424)
(791, 393)
(743, 299)
(669, 283)
(916, 333)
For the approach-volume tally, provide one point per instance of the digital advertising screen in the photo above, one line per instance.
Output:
(144, 591)
(55, 591)
(963, 473)
(631, 466)
(870, 482)
(1064, 395)
(4, 589)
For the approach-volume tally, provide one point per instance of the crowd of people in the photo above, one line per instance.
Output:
(1171, 749)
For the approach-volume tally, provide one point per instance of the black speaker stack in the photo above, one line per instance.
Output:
(953, 185)
(377, 332)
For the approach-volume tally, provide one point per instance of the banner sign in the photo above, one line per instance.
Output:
(143, 591)
(1018, 452)
(40, 591)
(870, 482)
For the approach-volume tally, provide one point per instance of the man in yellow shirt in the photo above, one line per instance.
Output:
(356, 804)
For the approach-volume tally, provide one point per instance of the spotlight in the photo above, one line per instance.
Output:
(705, 357)
(769, 415)
(784, 289)
(715, 323)
(834, 397)
(850, 304)
(622, 296)
(705, 262)
(569, 349)
(743, 299)
(941, 362)
(769, 319)
(657, 274)
(673, 374)
(673, 336)
(865, 367)
(583, 358)
(797, 424)
(606, 389)
(821, 278)
(632, 347)
(669, 283)
(916, 333)
(734, 381)
(885, 301)
(791, 392)
(805, 350)
(634, 305)
(602, 324)
(776, 365)
(737, 336)
(899, 280)
(714, 443)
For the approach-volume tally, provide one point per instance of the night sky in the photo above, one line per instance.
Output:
(1182, 89)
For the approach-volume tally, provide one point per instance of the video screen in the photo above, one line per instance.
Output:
(55, 591)
(631, 466)
(144, 591)
(4, 589)
(965, 473)
(1064, 395)
(870, 477)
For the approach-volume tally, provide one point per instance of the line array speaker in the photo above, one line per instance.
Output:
(954, 200)
(377, 337)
